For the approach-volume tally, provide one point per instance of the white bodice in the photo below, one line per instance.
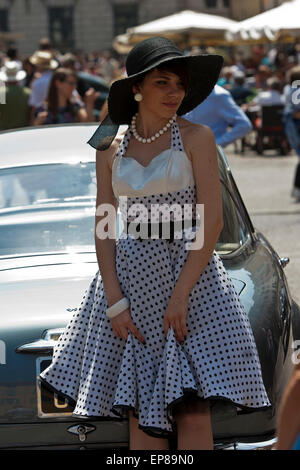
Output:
(169, 171)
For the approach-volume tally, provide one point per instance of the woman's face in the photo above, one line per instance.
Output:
(66, 87)
(162, 92)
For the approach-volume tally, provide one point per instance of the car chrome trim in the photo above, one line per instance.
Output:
(284, 261)
(81, 430)
(43, 345)
(263, 445)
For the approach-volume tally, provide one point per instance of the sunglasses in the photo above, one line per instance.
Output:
(71, 82)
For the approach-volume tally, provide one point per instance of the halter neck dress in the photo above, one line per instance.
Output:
(104, 376)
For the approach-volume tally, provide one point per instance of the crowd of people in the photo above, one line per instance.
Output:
(42, 88)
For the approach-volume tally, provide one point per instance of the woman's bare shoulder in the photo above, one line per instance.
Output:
(195, 137)
(191, 130)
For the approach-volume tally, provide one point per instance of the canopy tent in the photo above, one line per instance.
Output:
(187, 28)
(272, 25)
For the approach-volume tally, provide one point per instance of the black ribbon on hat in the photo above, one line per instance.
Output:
(104, 134)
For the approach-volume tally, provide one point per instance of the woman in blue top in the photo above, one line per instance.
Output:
(61, 107)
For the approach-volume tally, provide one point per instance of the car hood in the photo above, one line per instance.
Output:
(49, 287)
(39, 288)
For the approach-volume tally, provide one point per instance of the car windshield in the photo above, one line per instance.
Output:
(47, 208)
(50, 208)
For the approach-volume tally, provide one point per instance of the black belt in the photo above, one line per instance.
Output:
(158, 229)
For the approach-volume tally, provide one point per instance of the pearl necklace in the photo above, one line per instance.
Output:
(155, 136)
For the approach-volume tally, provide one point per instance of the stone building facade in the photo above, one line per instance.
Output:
(92, 24)
(242, 9)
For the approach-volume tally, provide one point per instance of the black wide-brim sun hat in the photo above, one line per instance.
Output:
(204, 71)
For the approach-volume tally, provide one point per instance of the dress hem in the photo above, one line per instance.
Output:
(152, 430)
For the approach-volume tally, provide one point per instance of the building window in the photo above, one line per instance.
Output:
(226, 3)
(4, 20)
(61, 27)
(211, 3)
(125, 16)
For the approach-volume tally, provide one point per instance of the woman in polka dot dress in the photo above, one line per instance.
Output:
(161, 332)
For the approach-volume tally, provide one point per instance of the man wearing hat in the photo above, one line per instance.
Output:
(15, 112)
(45, 64)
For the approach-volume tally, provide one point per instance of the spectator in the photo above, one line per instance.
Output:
(262, 74)
(240, 92)
(291, 120)
(219, 111)
(12, 55)
(272, 96)
(226, 78)
(45, 65)
(16, 110)
(68, 61)
(45, 45)
(108, 66)
(30, 71)
(59, 107)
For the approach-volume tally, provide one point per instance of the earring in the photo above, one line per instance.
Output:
(138, 97)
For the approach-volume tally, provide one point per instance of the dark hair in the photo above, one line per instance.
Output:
(175, 66)
(61, 74)
(12, 53)
(180, 69)
(274, 83)
(239, 80)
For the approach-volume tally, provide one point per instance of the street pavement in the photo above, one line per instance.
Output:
(265, 183)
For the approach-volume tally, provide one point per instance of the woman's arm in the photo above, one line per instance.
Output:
(104, 111)
(40, 118)
(106, 247)
(202, 149)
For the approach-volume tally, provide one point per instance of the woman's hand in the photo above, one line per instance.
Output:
(41, 118)
(175, 316)
(90, 96)
(122, 323)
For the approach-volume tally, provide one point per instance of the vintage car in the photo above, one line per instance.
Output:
(48, 259)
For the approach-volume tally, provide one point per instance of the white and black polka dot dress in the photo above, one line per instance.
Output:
(104, 376)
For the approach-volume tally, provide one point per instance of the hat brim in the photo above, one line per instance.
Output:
(20, 75)
(53, 64)
(204, 72)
